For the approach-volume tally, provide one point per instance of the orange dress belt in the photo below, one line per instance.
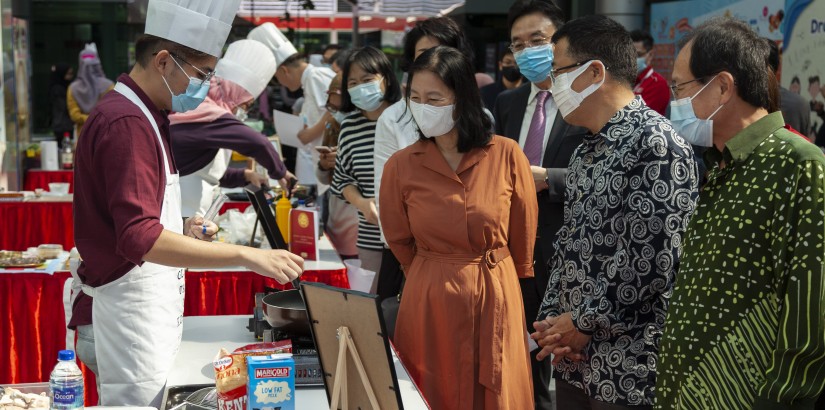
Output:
(492, 311)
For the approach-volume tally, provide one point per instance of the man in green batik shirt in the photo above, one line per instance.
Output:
(745, 327)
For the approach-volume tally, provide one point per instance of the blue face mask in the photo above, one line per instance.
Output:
(535, 63)
(641, 64)
(367, 96)
(694, 130)
(193, 96)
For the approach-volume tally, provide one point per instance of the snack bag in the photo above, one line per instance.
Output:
(230, 381)
(231, 376)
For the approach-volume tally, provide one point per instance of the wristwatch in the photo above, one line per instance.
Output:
(547, 176)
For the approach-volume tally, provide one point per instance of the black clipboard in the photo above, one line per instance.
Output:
(265, 217)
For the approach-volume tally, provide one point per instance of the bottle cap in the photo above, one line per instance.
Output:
(65, 355)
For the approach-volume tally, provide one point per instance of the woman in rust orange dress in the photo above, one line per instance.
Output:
(458, 209)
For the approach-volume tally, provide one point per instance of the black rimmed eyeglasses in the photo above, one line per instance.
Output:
(206, 76)
(555, 72)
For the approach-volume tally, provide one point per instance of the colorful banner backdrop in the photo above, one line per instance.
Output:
(669, 22)
(803, 60)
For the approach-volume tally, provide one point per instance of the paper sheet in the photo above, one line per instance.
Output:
(287, 126)
(531, 344)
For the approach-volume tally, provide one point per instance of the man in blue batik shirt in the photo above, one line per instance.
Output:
(631, 188)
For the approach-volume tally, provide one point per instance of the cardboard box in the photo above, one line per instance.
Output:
(271, 382)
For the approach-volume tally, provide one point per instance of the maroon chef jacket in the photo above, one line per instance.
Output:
(119, 186)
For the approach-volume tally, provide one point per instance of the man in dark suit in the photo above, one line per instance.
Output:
(529, 115)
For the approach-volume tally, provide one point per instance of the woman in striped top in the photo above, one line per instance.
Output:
(371, 87)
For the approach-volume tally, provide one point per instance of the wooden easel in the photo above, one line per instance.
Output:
(339, 385)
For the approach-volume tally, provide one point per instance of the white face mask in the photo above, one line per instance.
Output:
(241, 114)
(694, 130)
(339, 116)
(565, 97)
(433, 121)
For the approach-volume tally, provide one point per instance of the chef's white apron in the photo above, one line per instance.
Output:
(138, 318)
(199, 189)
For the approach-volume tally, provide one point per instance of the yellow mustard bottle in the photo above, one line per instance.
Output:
(282, 208)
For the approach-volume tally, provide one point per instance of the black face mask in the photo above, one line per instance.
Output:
(511, 73)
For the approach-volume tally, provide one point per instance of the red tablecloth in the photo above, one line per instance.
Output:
(32, 315)
(38, 178)
(233, 293)
(31, 223)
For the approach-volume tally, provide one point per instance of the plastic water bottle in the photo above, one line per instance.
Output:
(66, 383)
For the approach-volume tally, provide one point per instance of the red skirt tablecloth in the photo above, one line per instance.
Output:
(38, 178)
(32, 223)
(31, 310)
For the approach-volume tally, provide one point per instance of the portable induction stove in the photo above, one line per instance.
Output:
(307, 365)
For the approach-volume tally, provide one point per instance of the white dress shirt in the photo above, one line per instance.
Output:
(315, 82)
(394, 131)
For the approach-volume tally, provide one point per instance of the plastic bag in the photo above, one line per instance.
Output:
(239, 227)
(360, 279)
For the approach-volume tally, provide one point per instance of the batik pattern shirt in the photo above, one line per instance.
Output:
(630, 192)
(745, 326)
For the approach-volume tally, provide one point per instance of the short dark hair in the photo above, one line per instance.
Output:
(726, 44)
(443, 29)
(596, 37)
(293, 60)
(340, 58)
(644, 37)
(504, 53)
(453, 67)
(373, 61)
(335, 47)
(795, 79)
(813, 79)
(148, 45)
(522, 8)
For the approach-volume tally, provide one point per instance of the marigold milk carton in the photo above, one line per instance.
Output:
(271, 382)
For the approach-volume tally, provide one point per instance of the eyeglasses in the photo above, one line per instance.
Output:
(533, 42)
(555, 72)
(675, 88)
(206, 76)
(331, 108)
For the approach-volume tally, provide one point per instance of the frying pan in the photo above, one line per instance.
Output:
(286, 311)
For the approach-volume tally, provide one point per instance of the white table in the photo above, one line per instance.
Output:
(203, 337)
(328, 260)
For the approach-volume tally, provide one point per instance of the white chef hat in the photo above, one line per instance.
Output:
(269, 34)
(249, 64)
(202, 25)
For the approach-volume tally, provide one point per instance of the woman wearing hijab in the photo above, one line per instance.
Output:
(90, 85)
(203, 139)
(62, 74)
